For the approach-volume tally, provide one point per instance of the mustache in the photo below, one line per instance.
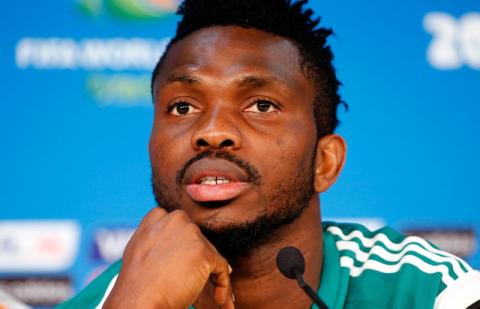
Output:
(249, 169)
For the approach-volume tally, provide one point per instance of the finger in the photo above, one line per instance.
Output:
(230, 301)
(152, 217)
(222, 293)
(155, 214)
(230, 298)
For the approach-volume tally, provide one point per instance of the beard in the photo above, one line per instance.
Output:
(289, 200)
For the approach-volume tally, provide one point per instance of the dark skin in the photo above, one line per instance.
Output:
(241, 91)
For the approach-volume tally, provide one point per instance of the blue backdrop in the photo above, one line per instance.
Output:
(76, 115)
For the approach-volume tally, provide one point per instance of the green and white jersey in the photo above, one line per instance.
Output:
(363, 269)
(385, 269)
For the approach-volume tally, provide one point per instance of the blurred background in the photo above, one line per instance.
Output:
(76, 114)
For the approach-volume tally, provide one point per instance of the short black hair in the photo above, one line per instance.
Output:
(279, 17)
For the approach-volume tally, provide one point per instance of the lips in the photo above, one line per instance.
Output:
(214, 180)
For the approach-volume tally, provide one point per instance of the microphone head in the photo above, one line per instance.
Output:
(290, 259)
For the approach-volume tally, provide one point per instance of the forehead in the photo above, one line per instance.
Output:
(226, 51)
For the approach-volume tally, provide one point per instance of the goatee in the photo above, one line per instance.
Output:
(231, 240)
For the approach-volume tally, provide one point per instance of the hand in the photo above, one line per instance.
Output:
(167, 263)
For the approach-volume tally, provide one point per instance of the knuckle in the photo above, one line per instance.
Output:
(152, 232)
(179, 215)
(153, 215)
(193, 228)
(201, 249)
(224, 261)
(206, 257)
(157, 212)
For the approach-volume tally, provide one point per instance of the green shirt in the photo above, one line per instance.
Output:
(363, 269)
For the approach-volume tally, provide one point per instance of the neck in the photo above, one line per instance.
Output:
(255, 279)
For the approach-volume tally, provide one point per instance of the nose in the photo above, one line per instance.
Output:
(216, 131)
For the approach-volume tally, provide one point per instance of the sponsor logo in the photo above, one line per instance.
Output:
(109, 243)
(46, 291)
(110, 56)
(9, 302)
(125, 90)
(460, 242)
(38, 246)
(88, 54)
(105, 54)
(455, 42)
(130, 9)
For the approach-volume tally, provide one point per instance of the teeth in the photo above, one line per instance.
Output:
(212, 180)
(208, 182)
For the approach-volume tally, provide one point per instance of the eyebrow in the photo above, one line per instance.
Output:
(256, 81)
(248, 81)
(182, 78)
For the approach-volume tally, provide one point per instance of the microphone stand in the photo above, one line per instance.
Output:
(310, 292)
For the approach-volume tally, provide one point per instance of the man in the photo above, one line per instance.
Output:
(241, 147)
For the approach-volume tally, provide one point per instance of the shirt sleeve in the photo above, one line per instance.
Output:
(462, 293)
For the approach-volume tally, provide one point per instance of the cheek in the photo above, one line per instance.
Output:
(291, 152)
(166, 157)
(298, 141)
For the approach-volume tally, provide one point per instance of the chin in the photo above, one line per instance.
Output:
(220, 215)
(239, 236)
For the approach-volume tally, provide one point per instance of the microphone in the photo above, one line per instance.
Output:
(291, 264)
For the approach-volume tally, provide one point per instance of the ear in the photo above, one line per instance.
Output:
(329, 161)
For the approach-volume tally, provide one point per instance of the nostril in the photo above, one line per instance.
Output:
(226, 143)
(214, 143)
(202, 143)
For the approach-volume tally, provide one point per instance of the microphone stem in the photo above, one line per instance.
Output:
(309, 291)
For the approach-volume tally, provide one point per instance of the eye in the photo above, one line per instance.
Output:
(182, 108)
(262, 106)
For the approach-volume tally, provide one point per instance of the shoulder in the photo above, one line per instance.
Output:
(95, 293)
(402, 268)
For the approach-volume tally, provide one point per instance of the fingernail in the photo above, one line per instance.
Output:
(233, 297)
(230, 269)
